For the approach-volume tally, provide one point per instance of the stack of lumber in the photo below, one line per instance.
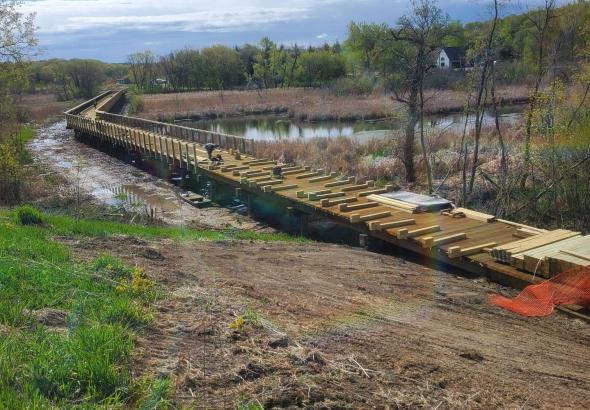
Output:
(504, 253)
(552, 259)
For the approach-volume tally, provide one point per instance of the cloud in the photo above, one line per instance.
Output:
(69, 16)
(322, 36)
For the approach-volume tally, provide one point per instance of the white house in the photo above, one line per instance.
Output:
(452, 58)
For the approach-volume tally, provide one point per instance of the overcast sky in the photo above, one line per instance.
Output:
(110, 30)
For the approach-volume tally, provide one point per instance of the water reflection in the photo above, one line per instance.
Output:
(276, 127)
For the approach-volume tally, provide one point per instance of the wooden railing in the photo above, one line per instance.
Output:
(244, 145)
(225, 141)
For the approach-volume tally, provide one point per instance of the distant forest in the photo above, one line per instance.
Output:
(369, 59)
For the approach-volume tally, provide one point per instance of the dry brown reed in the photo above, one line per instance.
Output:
(302, 103)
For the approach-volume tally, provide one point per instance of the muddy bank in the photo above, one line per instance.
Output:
(327, 326)
(95, 176)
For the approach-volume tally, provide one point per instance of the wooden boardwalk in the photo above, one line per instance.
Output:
(466, 242)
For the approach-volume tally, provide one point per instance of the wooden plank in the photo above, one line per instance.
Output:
(279, 188)
(431, 242)
(380, 226)
(312, 196)
(326, 203)
(307, 175)
(326, 196)
(478, 216)
(355, 188)
(350, 208)
(406, 234)
(323, 178)
(457, 251)
(269, 183)
(339, 183)
(385, 190)
(364, 218)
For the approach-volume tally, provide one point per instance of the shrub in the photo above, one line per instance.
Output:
(135, 101)
(28, 215)
(363, 85)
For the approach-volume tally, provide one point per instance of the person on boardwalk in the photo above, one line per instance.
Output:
(210, 147)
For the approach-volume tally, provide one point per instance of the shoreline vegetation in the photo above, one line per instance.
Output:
(306, 104)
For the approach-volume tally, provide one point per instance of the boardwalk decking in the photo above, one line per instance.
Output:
(463, 242)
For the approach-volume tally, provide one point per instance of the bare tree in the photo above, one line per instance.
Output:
(142, 66)
(417, 36)
(541, 20)
(17, 32)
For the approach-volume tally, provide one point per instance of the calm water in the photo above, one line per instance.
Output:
(275, 127)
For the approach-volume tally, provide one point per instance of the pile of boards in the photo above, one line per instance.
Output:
(546, 254)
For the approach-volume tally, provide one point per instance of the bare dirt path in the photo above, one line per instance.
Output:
(329, 326)
(108, 181)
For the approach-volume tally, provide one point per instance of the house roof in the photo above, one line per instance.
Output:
(455, 53)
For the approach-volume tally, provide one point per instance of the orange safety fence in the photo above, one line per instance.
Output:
(571, 287)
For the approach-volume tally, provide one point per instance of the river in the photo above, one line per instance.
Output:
(279, 127)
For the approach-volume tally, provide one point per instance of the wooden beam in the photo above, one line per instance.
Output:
(431, 242)
(326, 203)
(326, 196)
(381, 226)
(388, 188)
(269, 183)
(281, 188)
(355, 187)
(370, 217)
(323, 178)
(478, 216)
(307, 175)
(339, 183)
(406, 234)
(357, 207)
(457, 251)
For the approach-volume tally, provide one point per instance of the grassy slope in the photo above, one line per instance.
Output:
(87, 363)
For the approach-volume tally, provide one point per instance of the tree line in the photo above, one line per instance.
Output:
(266, 65)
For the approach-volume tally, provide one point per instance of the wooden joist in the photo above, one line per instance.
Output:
(311, 195)
(365, 218)
(457, 251)
(406, 234)
(381, 226)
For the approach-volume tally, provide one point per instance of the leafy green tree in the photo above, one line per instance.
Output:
(224, 67)
(86, 76)
(17, 40)
(320, 67)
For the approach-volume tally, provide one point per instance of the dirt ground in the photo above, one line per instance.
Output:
(105, 180)
(329, 326)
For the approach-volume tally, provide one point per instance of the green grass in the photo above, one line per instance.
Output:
(63, 225)
(86, 363)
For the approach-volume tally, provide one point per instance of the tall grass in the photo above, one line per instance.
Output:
(304, 103)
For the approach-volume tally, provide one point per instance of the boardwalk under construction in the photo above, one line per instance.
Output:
(505, 251)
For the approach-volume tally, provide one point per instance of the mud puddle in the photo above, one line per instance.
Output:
(111, 182)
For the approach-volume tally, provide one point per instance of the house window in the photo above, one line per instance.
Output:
(442, 62)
